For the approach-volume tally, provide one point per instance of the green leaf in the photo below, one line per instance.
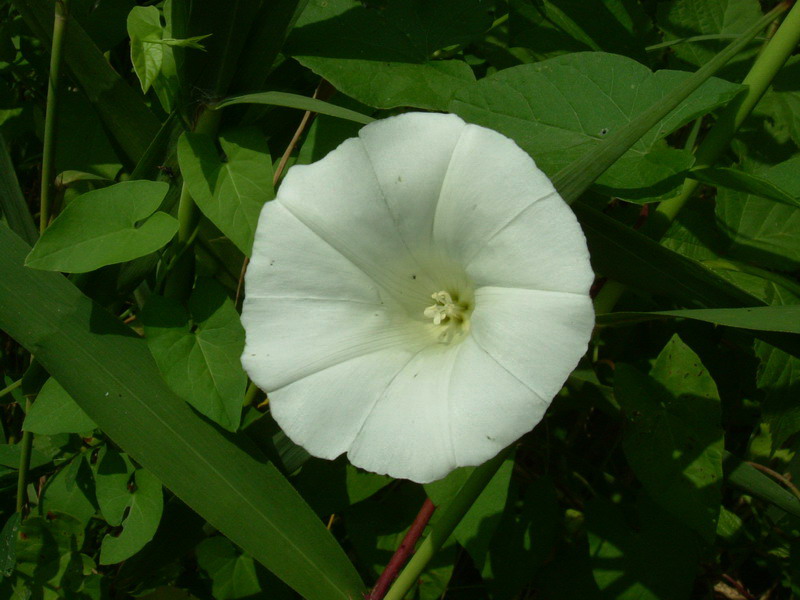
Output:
(673, 438)
(296, 101)
(555, 27)
(13, 208)
(56, 412)
(145, 31)
(687, 18)
(122, 110)
(102, 228)
(655, 561)
(229, 189)
(233, 574)
(758, 484)
(395, 67)
(561, 109)
(199, 355)
(112, 476)
(760, 318)
(779, 378)
(742, 181)
(8, 544)
(476, 529)
(145, 503)
(524, 539)
(230, 484)
(71, 491)
(760, 230)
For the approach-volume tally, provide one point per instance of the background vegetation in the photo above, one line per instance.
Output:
(144, 465)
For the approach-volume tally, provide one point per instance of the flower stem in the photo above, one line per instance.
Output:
(50, 120)
(403, 551)
(445, 524)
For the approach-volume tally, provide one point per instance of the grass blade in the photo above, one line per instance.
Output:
(296, 101)
(109, 371)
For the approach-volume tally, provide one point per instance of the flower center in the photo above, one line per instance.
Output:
(451, 316)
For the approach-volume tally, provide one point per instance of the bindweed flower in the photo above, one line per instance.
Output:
(416, 298)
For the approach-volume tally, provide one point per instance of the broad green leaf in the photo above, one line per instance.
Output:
(383, 57)
(632, 258)
(560, 109)
(55, 412)
(476, 529)
(779, 378)
(47, 555)
(121, 109)
(112, 476)
(103, 227)
(760, 230)
(71, 491)
(524, 539)
(145, 504)
(761, 318)
(233, 574)
(742, 181)
(553, 27)
(230, 188)
(8, 544)
(199, 354)
(296, 101)
(147, 53)
(230, 484)
(673, 438)
(13, 209)
(655, 560)
(688, 18)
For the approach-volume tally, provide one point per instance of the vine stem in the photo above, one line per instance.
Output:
(448, 519)
(766, 67)
(51, 114)
(60, 21)
(775, 475)
(403, 551)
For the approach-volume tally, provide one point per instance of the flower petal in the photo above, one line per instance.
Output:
(410, 154)
(542, 248)
(339, 199)
(324, 411)
(538, 336)
(489, 182)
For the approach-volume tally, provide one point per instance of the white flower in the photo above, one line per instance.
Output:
(416, 298)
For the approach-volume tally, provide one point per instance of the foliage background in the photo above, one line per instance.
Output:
(663, 469)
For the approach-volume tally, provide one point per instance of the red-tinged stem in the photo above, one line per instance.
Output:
(403, 551)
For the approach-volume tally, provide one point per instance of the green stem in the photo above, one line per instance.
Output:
(574, 179)
(772, 57)
(695, 38)
(444, 525)
(769, 62)
(179, 283)
(10, 388)
(50, 120)
(26, 444)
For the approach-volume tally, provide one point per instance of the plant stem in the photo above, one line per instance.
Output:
(767, 65)
(10, 388)
(445, 524)
(50, 120)
(763, 71)
(403, 551)
(179, 283)
(574, 179)
(26, 444)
